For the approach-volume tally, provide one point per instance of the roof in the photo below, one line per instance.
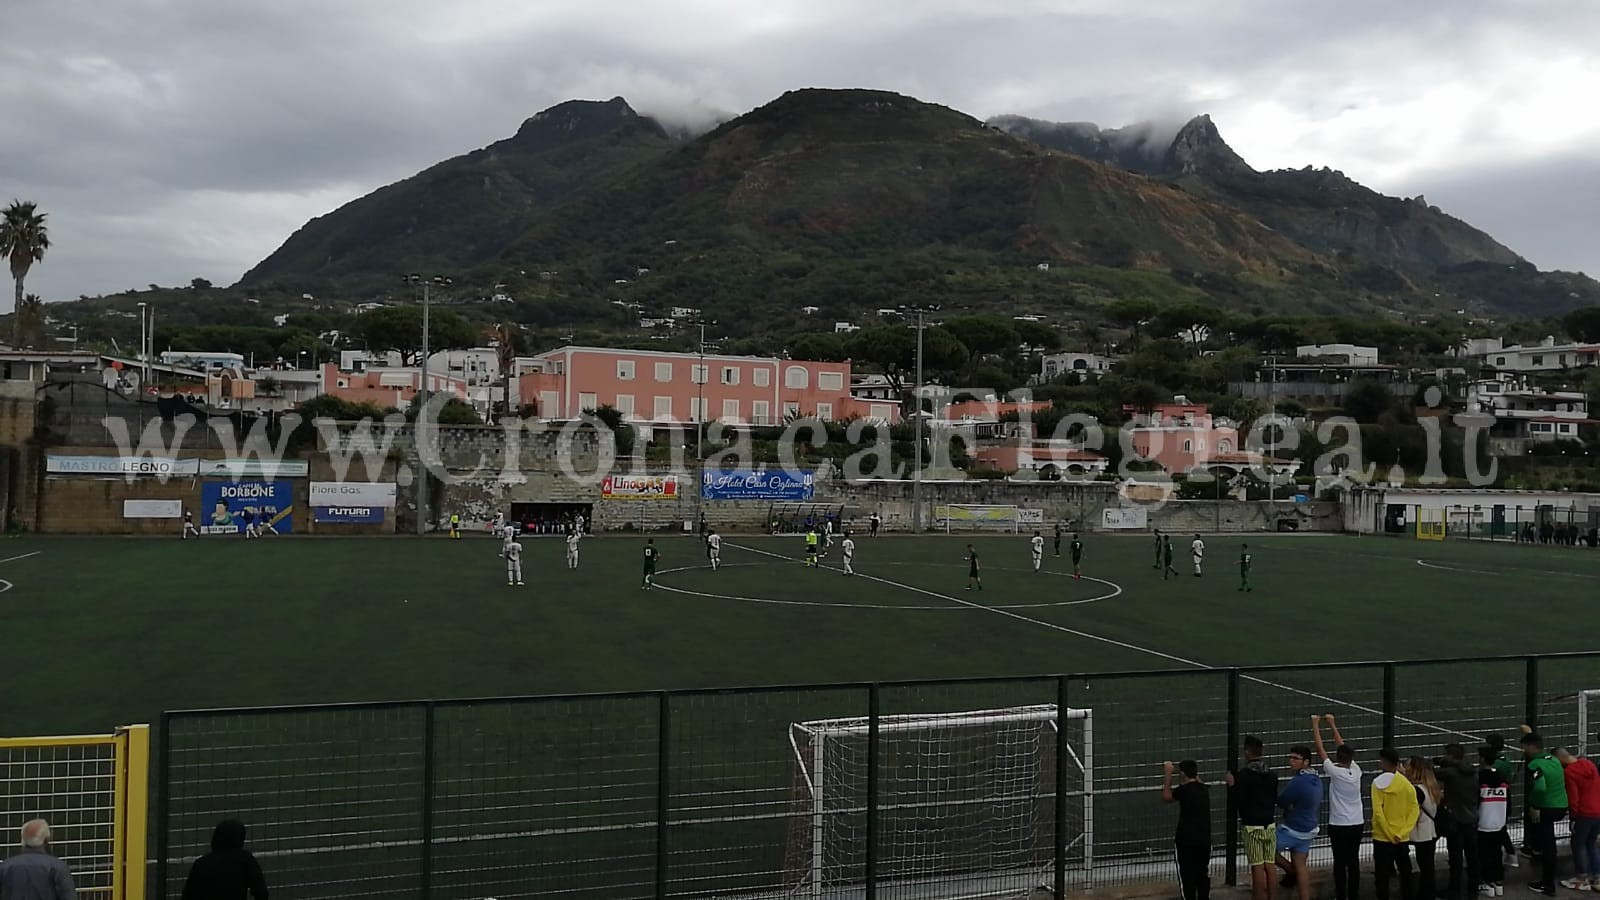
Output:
(624, 351)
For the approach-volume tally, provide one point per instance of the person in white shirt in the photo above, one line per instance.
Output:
(714, 549)
(1037, 545)
(508, 534)
(577, 523)
(849, 550)
(572, 549)
(1197, 553)
(512, 551)
(498, 524)
(188, 525)
(1346, 819)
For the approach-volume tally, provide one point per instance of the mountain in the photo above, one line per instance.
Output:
(841, 202)
(1321, 209)
(467, 209)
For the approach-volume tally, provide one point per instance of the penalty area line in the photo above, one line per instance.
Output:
(1122, 644)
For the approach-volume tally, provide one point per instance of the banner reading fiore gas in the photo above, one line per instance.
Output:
(227, 507)
(639, 487)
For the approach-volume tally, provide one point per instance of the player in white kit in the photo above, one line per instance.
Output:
(1037, 546)
(572, 549)
(1197, 553)
(512, 551)
(714, 549)
(849, 550)
(188, 525)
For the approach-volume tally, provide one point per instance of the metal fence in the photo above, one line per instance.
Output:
(934, 789)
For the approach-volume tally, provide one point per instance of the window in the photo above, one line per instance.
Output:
(1538, 359)
(825, 412)
(344, 382)
(625, 405)
(882, 411)
(830, 381)
(625, 369)
(1224, 446)
(1499, 360)
(730, 410)
(664, 372)
(791, 410)
(1188, 446)
(549, 403)
(1565, 428)
(1562, 360)
(730, 375)
(760, 412)
(796, 377)
(663, 408)
(761, 378)
(587, 402)
(698, 374)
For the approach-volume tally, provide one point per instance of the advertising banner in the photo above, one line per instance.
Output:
(743, 484)
(228, 507)
(347, 515)
(996, 515)
(1113, 518)
(152, 509)
(1027, 516)
(61, 464)
(639, 487)
(254, 467)
(353, 493)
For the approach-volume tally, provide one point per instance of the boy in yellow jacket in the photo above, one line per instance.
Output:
(1394, 815)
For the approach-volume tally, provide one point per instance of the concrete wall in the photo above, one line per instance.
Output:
(17, 418)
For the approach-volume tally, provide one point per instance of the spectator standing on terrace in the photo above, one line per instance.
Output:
(1547, 805)
(1458, 820)
(1493, 792)
(1301, 800)
(35, 873)
(1254, 788)
(228, 872)
(1394, 817)
(1583, 800)
(1425, 837)
(1502, 764)
(1193, 837)
(1346, 819)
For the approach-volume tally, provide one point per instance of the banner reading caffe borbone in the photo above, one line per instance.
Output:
(639, 487)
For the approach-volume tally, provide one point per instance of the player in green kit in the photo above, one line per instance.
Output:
(1058, 540)
(1167, 570)
(1077, 557)
(1244, 568)
(1161, 550)
(973, 578)
(650, 557)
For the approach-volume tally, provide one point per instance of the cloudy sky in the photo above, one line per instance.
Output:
(170, 139)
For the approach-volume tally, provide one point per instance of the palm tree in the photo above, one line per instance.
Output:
(23, 240)
(29, 320)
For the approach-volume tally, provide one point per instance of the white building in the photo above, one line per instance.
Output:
(479, 366)
(1477, 346)
(196, 359)
(872, 387)
(1546, 356)
(845, 328)
(1087, 365)
(1348, 354)
(1527, 414)
(362, 360)
(685, 312)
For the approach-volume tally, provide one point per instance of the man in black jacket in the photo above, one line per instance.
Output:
(1457, 821)
(1254, 789)
(228, 872)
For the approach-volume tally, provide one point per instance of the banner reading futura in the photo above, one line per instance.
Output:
(744, 484)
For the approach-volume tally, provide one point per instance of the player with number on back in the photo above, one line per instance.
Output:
(572, 548)
(1077, 557)
(650, 557)
(714, 549)
(1036, 547)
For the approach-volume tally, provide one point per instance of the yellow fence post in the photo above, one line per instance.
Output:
(135, 809)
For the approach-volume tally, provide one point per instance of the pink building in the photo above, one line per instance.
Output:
(1046, 458)
(653, 386)
(981, 411)
(386, 387)
(1183, 437)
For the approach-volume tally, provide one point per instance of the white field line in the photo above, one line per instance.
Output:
(1123, 644)
(1116, 591)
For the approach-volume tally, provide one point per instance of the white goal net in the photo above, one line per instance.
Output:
(965, 801)
(1588, 719)
(966, 517)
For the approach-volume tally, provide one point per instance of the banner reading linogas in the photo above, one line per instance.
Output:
(226, 507)
(639, 487)
(743, 484)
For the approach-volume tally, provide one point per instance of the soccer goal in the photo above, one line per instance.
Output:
(963, 798)
(1586, 718)
(965, 517)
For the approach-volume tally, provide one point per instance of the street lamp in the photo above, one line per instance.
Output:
(698, 414)
(420, 432)
(916, 397)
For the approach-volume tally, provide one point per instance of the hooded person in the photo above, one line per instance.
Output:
(228, 872)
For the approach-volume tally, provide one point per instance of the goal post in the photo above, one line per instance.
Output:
(1587, 719)
(966, 796)
(995, 517)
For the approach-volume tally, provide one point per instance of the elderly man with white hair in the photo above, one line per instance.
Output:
(35, 874)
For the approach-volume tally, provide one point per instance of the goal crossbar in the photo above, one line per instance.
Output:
(859, 725)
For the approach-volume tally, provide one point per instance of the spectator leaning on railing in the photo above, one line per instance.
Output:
(1547, 805)
(1255, 795)
(1583, 802)
(34, 873)
(1394, 817)
(1193, 837)
(1346, 819)
(1458, 820)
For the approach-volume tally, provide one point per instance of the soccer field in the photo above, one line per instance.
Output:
(116, 630)
(112, 631)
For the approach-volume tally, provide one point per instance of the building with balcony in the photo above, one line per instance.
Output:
(1046, 459)
(1525, 414)
(1320, 383)
(1085, 365)
(1184, 437)
(1546, 356)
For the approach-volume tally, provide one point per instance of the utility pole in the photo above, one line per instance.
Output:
(699, 428)
(420, 432)
(144, 361)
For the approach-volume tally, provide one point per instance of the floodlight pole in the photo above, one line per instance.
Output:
(698, 415)
(420, 431)
(916, 413)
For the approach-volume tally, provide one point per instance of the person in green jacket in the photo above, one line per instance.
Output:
(1547, 805)
(1244, 568)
